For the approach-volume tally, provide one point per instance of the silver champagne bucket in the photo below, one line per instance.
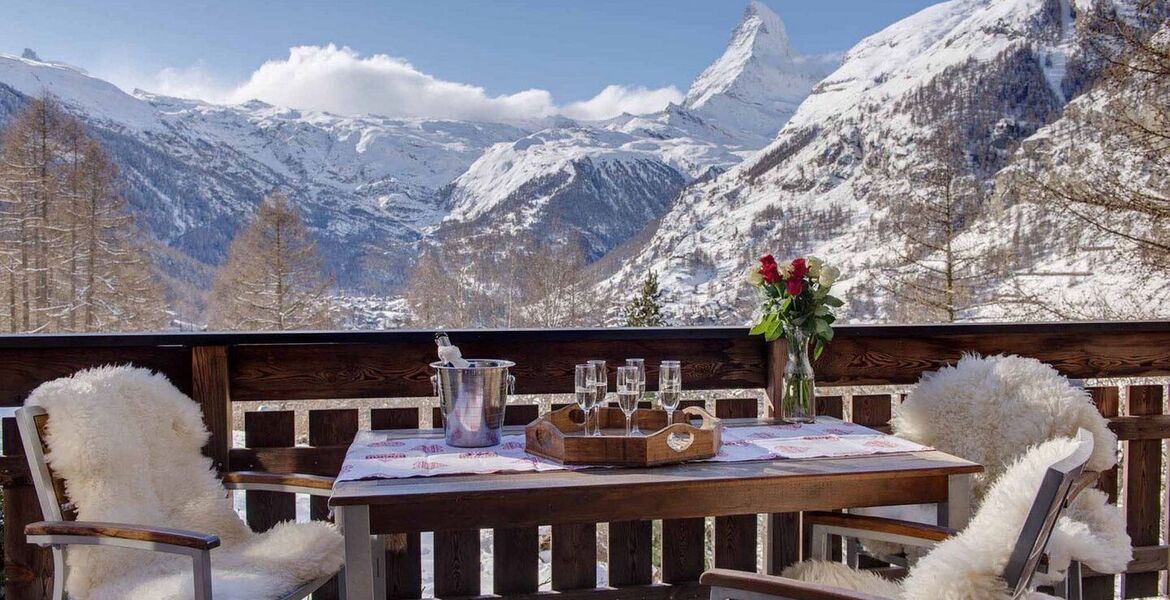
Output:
(473, 400)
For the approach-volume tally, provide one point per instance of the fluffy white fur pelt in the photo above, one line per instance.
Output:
(970, 565)
(990, 410)
(127, 443)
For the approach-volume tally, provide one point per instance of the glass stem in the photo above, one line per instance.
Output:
(629, 421)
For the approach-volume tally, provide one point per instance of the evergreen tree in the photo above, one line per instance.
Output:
(645, 310)
(273, 277)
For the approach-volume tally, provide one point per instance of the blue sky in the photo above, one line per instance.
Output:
(572, 50)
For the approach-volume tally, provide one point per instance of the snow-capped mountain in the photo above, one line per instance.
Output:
(758, 83)
(605, 180)
(371, 188)
(367, 186)
(603, 185)
(989, 72)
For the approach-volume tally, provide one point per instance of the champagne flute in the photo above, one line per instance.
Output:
(628, 394)
(669, 387)
(585, 389)
(601, 387)
(640, 364)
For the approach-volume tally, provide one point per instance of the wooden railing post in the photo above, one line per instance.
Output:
(1143, 493)
(782, 535)
(777, 354)
(1108, 404)
(209, 387)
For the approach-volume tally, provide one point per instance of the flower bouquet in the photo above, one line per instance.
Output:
(797, 305)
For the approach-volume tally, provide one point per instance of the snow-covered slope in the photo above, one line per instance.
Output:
(987, 70)
(602, 185)
(99, 100)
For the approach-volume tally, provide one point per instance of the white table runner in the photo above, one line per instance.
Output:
(383, 455)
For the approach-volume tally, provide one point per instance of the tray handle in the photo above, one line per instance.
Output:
(709, 420)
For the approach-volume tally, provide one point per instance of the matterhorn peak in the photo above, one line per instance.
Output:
(755, 86)
(30, 54)
(765, 21)
(759, 43)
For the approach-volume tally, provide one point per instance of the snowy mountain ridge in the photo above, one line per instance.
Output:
(811, 190)
(373, 188)
(758, 82)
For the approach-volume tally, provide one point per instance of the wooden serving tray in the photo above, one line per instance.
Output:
(560, 436)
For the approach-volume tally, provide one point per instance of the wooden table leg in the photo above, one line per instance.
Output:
(359, 563)
(378, 559)
(956, 511)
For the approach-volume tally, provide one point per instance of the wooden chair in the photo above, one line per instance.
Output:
(60, 530)
(1061, 482)
(854, 530)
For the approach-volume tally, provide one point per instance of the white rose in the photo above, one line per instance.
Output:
(785, 269)
(814, 265)
(754, 277)
(829, 275)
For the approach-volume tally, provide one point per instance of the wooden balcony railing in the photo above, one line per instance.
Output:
(220, 370)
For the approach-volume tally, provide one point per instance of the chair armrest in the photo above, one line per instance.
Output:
(878, 528)
(314, 485)
(144, 537)
(780, 587)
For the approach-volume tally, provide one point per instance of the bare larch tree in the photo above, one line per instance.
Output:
(933, 275)
(273, 278)
(1110, 167)
(68, 246)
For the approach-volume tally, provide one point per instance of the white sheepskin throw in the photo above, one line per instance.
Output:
(842, 576)
(991, 409)
(127, 443)
(970, 565)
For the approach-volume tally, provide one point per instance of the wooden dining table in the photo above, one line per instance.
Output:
(377, 507)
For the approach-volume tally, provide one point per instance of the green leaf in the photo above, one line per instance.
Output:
(824, 331)
(818, 349)
(834, 301)
(767, 322)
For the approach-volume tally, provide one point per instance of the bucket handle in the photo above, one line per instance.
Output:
(511, 386)
(435, 384)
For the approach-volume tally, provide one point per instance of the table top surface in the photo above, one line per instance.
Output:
(859, 469)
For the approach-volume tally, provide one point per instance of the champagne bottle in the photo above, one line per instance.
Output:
(448, 353)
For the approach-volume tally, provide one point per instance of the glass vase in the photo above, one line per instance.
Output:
(798, 402)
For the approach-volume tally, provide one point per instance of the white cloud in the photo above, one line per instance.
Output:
(616, 99)
(196, 81)
(339, 80)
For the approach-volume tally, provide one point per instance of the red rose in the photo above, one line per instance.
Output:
(795, 283)
(769, 269)
(799, 268)
(770, 272)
